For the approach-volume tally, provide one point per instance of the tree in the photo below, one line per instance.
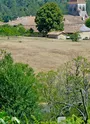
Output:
(48, 18)
(76, 88)
(18, 89)
(88, 7)
(67, 91)
(87, 22)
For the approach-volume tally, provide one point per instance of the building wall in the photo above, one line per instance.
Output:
(85, 34)
(72, 9)
(82, 7)
(61, 36)
(77, 9)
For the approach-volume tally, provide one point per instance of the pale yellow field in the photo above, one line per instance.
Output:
(44, 54)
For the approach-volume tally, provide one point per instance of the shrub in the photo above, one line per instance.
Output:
(75, 36)
(87, 22)
(7, 30)
(18, 89)
(5, 119)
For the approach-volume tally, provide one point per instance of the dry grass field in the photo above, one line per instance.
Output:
(44, 54)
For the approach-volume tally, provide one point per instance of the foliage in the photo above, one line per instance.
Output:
(18, 89)
(48, 95)
(71, 120)
(48, 18)
(75, 37)
(5, 119)
(19, 30)
(11, 9)
(67, 91)
(76, 88)
(87, 22)
(88, 7)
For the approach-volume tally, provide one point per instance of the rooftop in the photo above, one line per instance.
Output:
(76, 2)
(69, 19)
(27, 21)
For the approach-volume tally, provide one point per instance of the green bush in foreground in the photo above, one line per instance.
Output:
(5, 119)
(18, 89)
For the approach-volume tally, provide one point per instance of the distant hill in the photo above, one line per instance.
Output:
(10, 9)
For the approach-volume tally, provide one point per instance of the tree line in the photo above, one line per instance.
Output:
(11, 9)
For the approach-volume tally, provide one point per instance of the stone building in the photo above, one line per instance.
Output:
(77, 8)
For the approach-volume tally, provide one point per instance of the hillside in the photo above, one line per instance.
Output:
(10, 9)
(38, 52)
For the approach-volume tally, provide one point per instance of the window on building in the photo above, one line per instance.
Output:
(75, 8)
(83, 9)
(79, 7)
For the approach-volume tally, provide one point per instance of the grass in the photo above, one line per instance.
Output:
(44, 54)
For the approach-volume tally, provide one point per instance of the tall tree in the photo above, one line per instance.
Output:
(18, 89)
(49, 17)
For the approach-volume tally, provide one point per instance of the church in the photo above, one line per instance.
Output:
(77, 8)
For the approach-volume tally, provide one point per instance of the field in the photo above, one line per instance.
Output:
(44, 54)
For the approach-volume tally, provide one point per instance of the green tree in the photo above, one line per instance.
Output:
(18, 89)
(67, 91)
(87, 22)
(88, 7)
(74, 87)
(49, 17)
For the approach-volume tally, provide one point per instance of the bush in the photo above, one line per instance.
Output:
(87, 22)
(18, 89)
(5, 119)
(75, 36)
(7, 30)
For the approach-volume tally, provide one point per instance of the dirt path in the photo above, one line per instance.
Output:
(44, 54)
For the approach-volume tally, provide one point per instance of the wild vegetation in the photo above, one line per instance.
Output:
(64, 92)
(18, 89)
(10, 9)
(17, 30)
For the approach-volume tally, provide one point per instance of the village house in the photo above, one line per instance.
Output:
(57, 35)
(77, 8)
(28, 22)
(75, 21)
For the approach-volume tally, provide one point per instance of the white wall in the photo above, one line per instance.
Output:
(85, 34)
(81, 6)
